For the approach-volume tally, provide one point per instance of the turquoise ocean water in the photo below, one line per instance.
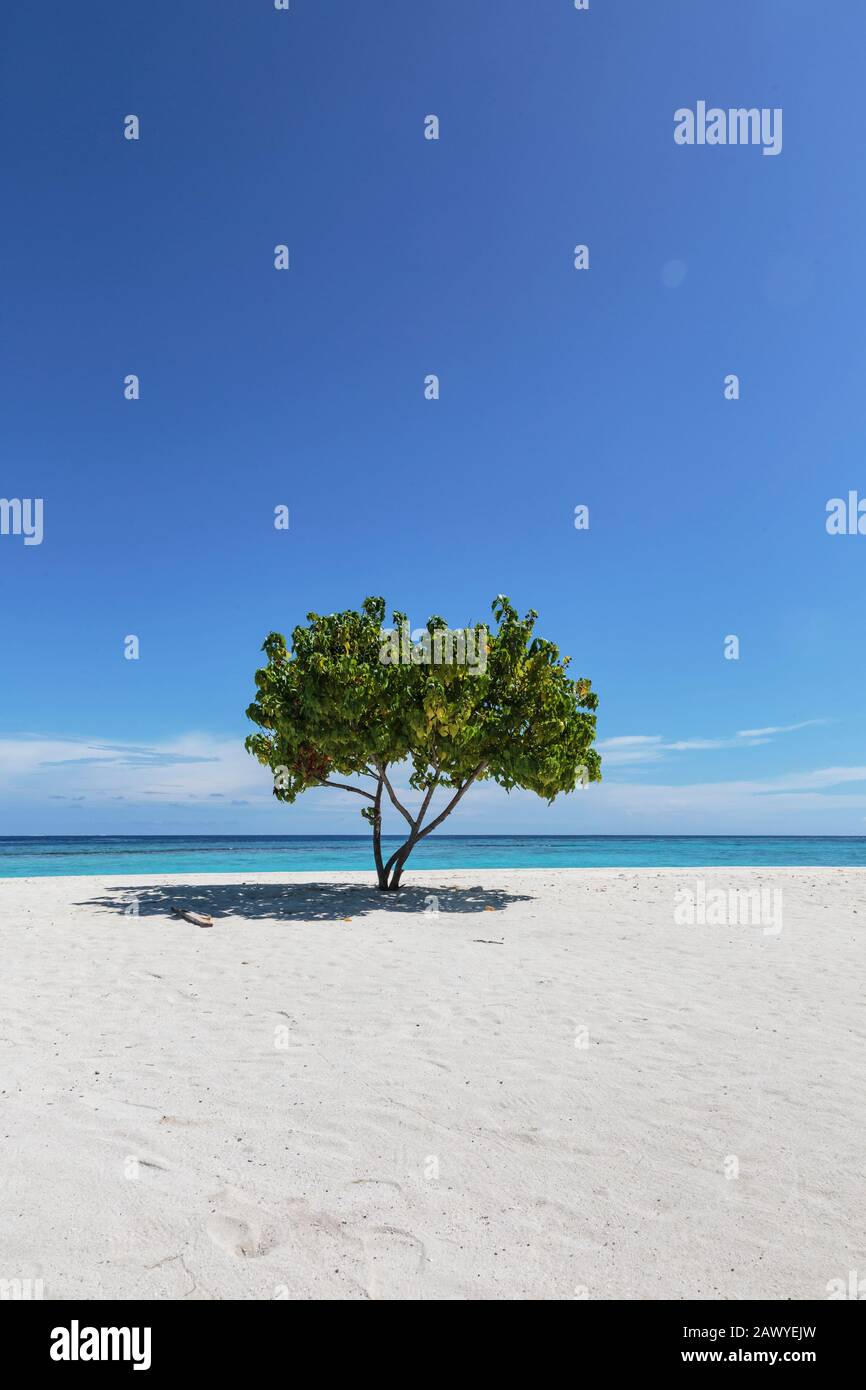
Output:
(223, 854)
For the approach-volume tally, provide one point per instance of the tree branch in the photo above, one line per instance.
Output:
(344, 787)
(453, 802)
(426, 802)
(402, 854)
(390, 790)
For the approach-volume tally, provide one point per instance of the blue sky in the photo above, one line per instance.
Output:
(558, 387)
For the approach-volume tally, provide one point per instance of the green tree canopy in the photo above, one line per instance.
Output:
(347, 701)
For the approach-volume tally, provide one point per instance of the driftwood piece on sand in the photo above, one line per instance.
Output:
(198, 919)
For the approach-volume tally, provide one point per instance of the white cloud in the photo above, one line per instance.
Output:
(195, 782)
(822, 801)
(193, 767)
(629, 749)
(779, 729)
(207, 783)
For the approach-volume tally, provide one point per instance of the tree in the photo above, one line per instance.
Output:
(461, 707)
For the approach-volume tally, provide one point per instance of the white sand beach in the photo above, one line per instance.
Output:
(549, 1089)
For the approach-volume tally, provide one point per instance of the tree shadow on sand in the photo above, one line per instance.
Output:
(298, 902)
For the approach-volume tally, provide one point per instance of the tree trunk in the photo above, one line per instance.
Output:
(402, 855)
(395, 864)
(395, 877)
(377, 837)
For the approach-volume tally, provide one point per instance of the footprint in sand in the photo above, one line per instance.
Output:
(396, 1260)
(234, 1235)
(239, 1228)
